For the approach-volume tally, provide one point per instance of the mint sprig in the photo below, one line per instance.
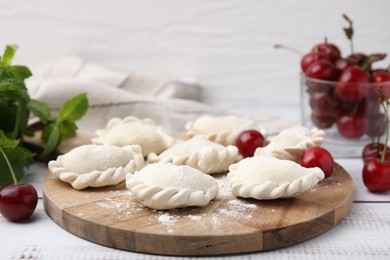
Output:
(64, 125)
(16, 106)
(13, 160)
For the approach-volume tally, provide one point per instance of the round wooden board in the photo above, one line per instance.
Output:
(110, 216)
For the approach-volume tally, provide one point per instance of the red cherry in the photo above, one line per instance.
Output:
(322, 121)
(341, 65)
(318, 157)
(356, 58)
(247, 142)
(374, 150)
(382, 80)
(376, 175)
(18, 202)
(310, 58)
(330, 50)
(352, 84)
(352, 125)
(322, 69)
(321, 75)
(323, 102)
(381, 76)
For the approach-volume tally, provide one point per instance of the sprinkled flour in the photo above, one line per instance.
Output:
(118, 204)
(167, 219)
(224, 207)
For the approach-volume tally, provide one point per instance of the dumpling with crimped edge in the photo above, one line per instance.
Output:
(168, 186)
(202, 154)
(222, 129)
(97, 165)
(132, 130)
(267, 178)
(291, 143)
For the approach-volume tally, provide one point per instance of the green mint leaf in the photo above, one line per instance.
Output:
(53, 141)
(22, 115)
(7, 115)
(21, 72)
(67, 129)
(29, 132)
(6, 142)
(13, 89)
(46, 132)
(74, 109)
(9, 54)
(40, 109)
(19, 158)
(14, 95)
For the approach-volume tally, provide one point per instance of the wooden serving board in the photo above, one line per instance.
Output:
(110, 216)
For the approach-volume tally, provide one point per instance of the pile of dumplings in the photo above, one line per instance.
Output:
(163, 172)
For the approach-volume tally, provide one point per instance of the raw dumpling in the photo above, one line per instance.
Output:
(199, 153)
(266, 177)
(97, 165)
(223, 130)
(169, 186)
(132, 130)
(291, 143)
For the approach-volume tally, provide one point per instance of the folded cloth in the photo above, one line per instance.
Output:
(170, 101)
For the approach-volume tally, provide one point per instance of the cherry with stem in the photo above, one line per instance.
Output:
(19, 200)
(376, 171)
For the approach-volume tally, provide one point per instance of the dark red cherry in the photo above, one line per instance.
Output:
(374, 150)
(322, 120)
(352, 126)
(18, 201)
(376, 175)
(318, 157)
(310, 58)
(341, 65)
(248, 141)
(323, 70)
(330, 50)
(381, 78)
(352, 84)
(356, 58)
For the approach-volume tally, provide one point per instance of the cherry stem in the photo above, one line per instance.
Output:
(326, 40)
(381, 100)
(281, 46)
(386, 108)
(9, 166)
(349, 31)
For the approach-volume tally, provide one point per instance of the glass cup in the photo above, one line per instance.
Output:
(350, 114)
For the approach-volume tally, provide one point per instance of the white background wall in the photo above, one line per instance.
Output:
(226, 45)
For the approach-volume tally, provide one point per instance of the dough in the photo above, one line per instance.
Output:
(266, 177)
(291, 143)
(169, 186)
(97, 165)
(223, 130)
(132, 130)
(199, 153)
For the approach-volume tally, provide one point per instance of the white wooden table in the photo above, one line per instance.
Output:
(363, 234)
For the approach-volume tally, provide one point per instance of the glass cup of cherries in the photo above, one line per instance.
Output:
(340, 94)
(350, 99)
(344, 102)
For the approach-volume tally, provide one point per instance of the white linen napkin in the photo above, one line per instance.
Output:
(170, 101)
